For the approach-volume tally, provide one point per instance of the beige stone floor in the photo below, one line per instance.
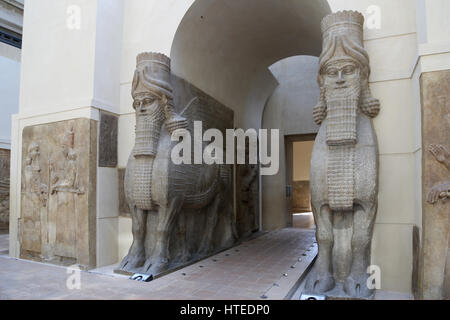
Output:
(247, 271)
(303, 220)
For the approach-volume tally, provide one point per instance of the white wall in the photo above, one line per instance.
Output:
(57, 62)
(9, 90)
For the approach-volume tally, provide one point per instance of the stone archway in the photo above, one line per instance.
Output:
(226, 48)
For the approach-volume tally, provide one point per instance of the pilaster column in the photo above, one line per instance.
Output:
(70, 74)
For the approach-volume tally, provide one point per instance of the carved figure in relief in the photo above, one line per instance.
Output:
(440, 191)
(66, 178)
(64, 186)
(33, 186)
(344, 162)
(34, 200)
(157, 191)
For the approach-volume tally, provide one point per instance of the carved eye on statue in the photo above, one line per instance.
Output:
(136, 104)
(332, 72)
(348, 70)
(148, 101)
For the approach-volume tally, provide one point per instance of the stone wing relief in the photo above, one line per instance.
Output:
(439, 191)
(207, 189)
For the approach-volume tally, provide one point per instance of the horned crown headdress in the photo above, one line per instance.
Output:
(343, 38)
(152, 74)
(344, 22)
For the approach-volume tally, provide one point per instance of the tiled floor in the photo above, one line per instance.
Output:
(244, 272)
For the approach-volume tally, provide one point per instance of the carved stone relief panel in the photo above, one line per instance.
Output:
(435, 268)
(4, 188)
(107, 156)
(57, 222)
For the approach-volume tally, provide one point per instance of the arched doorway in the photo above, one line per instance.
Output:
(225, 48)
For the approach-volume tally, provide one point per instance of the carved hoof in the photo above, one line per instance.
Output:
(320, 283)
(146, 268)
(134, 259)
(131, 263)
(158, 267)
(356, 286)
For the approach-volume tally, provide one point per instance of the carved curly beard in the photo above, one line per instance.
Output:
(342, 106)
(148, 127)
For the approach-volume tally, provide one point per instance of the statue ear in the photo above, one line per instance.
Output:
(164, 99)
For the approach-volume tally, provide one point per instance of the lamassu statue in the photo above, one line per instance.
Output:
(344, 162)
(179, 212)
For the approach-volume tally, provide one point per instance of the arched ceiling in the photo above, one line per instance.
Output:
(224, 47)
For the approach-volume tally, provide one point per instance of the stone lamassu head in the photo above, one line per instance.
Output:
(152, 92)
(151, 81)
(344, 68)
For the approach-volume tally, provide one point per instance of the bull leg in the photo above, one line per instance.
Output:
(182, 225)
(211, 221)
(136, 255)
(363, 221)
(159, 261)
(321, 279)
